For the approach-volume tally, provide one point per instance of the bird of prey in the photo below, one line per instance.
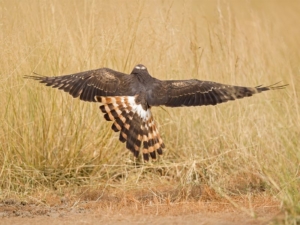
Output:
(127, 100)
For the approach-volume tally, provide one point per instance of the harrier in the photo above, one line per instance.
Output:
(127, 100)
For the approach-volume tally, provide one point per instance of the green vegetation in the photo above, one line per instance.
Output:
(50, 142)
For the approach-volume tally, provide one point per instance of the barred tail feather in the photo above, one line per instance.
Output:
(154, 141)
(136, 125)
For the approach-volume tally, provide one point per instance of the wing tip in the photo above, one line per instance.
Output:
(274, 86)
(36, 76)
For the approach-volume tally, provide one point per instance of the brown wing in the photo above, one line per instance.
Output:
(197, 92)
(88, 84)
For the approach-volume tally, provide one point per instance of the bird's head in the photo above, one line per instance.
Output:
(139, 68)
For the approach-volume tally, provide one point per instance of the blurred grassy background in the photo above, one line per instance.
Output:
(51, 142)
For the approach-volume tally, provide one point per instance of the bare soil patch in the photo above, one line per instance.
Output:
(262, 210)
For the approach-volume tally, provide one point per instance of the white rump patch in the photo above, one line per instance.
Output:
(144, 114)
(125, 102)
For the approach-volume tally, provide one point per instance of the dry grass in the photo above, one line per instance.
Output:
(50, 142)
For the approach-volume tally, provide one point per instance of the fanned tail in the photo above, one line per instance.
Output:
(136, 125)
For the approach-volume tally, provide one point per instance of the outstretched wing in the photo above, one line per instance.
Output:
(197, 92)
(86, 85)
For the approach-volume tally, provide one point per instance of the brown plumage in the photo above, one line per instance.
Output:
(127, 98)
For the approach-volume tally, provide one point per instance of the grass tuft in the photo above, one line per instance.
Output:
(53, 144)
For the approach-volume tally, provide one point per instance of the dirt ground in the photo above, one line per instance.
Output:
(98, 212)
